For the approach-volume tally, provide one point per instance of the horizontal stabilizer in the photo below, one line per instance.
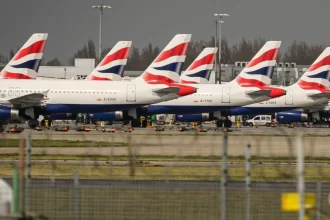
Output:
(166, 91)
(261, 92)
(319, 95)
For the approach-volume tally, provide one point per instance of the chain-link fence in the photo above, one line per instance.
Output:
(148, 174)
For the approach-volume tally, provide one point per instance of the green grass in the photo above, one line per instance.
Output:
(61, 143)
(147, 172)
(169, 158)
(114, 203)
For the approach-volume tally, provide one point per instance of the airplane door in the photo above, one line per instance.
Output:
(289, 97)
(226, 95)
(131, 93)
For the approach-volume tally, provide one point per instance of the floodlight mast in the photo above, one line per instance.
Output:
(101, 7)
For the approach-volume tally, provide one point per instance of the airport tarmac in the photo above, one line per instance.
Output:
(269, 143)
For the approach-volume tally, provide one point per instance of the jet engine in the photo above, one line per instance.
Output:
(106, 116)
(7, 113)
(192, 117)
(291, 116)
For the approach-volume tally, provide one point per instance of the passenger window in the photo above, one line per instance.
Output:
(257, 118)
(263, 118)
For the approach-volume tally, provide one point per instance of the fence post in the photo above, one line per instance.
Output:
(28, 170)
(318, 199)
(76, 195)
(224, 177)
(21, 176)
(248, 179)
(15, 191)
(300, 174)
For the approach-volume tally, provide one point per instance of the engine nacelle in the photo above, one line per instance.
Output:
(7, 113)
(192, 117)
(106, 116)
(291, 116)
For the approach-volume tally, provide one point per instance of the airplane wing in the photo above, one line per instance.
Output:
(165, 91)
(28, 100)
(319, 95)
(261, 92)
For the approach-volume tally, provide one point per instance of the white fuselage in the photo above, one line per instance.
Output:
(294, 98)
(208, 98)
(85, 96)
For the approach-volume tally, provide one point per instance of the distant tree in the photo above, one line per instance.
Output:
(11, 54)
(3, 59)
(134, 60)
(88, 51)
(303, 53)
(54, 62)
(147, 55)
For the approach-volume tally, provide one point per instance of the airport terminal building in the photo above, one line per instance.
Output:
(284, 74)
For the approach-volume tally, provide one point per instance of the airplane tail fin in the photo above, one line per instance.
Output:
(317, 76)
(167, 66)
(259, 70)
(200, 69)
(25, 64)
(112, 65)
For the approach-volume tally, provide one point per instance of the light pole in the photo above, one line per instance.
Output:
(100, 7)
(215, 45)
(220, 37)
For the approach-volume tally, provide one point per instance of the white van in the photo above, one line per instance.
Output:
(260, 120)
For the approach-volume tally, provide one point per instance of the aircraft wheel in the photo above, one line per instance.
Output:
(228, 123)
(33, 123)
(219, 123)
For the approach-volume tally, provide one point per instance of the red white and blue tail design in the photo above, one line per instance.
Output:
(259, 70)
(167, 66)
(113, 64)
(200, 69)
(26, 62)
(317, 76)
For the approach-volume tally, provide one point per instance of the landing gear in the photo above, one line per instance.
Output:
(33, 123)
(225, 123)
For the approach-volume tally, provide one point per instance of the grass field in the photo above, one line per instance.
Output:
(145, 172)
(108, 202)
(239, 159)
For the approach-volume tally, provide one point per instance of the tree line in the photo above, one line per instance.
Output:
(139, 59)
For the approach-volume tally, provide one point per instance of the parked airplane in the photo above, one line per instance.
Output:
(26, 62)
(250, 86)
(202, 65)
(309, 92)
(29, 100)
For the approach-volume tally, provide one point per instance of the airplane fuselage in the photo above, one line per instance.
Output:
(83, 96)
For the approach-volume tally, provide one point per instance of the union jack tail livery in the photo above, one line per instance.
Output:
(167, 66)
(200, 69)
(317, 76)
(26, 62)
(259, 71)
(112, 66)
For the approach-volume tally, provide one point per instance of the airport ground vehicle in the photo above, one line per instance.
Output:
(259, 120)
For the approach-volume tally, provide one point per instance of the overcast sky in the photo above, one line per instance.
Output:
(71, 23)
